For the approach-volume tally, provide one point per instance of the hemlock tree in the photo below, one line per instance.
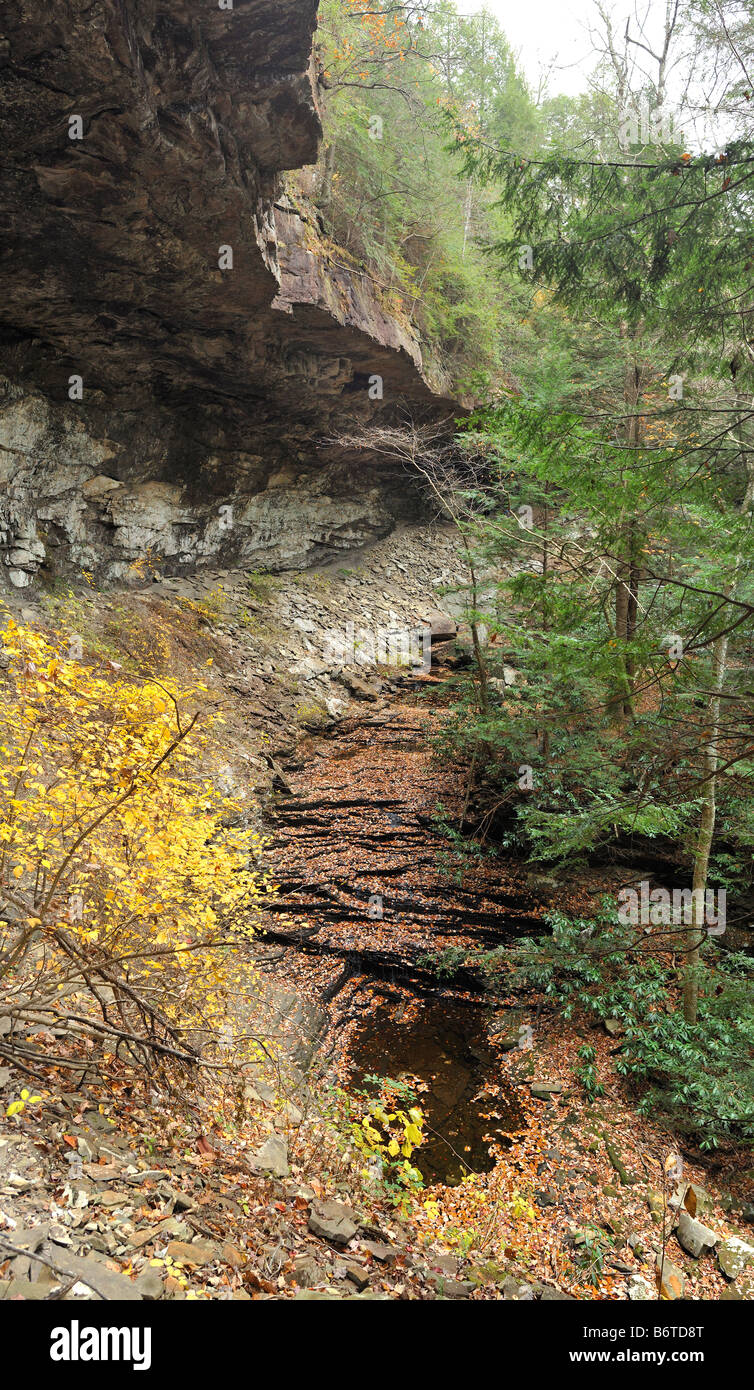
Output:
(652, 244)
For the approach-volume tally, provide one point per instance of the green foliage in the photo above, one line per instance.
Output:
(700, 1075)
(586, 1072)
(445, 964)
(390, 189)
(592, 1247)
(386, 1129)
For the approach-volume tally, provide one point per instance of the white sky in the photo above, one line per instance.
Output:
(554, 34)
(552, 39)
(545, 32)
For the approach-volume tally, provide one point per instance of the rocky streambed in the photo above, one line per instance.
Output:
(369, 899)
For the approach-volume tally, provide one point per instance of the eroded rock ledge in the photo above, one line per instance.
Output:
(206, 391)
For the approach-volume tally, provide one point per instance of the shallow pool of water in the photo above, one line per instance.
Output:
(445, 1046)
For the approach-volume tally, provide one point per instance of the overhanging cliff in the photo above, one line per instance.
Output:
(175, 336)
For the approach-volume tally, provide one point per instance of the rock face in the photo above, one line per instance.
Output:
(176, 337)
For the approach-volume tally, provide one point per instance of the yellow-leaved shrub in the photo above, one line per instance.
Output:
(127, 880)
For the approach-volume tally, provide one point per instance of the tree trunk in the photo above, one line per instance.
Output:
(697, 928)
(627, 574)
(709, 769)
(325, 193)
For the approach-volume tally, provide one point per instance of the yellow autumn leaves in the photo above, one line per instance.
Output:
(391, 1135)
(126, 877)
(17, 1107)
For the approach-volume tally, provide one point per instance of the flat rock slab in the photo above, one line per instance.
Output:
(671, 1281)
(273, 1156)
(195, 1252)
(695, 1238)
(384, 1253)
(333, 1221)
(13, 1289)
(107, 1283)
(544, 1090)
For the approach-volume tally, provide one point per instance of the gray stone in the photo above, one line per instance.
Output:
(734, 1256)
(671, 1280)
(696, 1200)
(741, 1289)
(273, 1156)
(150, 1284)
(109, 1284)
(332, 1221)
(307, 1273)
(358, 1275)
(544, 1090)
(640, 1290)
(379, 1250)
(22, 1288)
(442, 627)
(695, 1238)
(360, 689)
(453, 1288)
(289, 1115)
(517, 1290)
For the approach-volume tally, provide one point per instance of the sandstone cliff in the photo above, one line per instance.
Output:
(177, 341)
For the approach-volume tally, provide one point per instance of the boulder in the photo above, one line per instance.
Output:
(741, 1288)
(670, 1280)
(545, 1090)
(332, 1221)
(640, 1290)
(695, 1238)
(442, 627)
(734, 1256)
(696, 1200)
(273, 1156)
